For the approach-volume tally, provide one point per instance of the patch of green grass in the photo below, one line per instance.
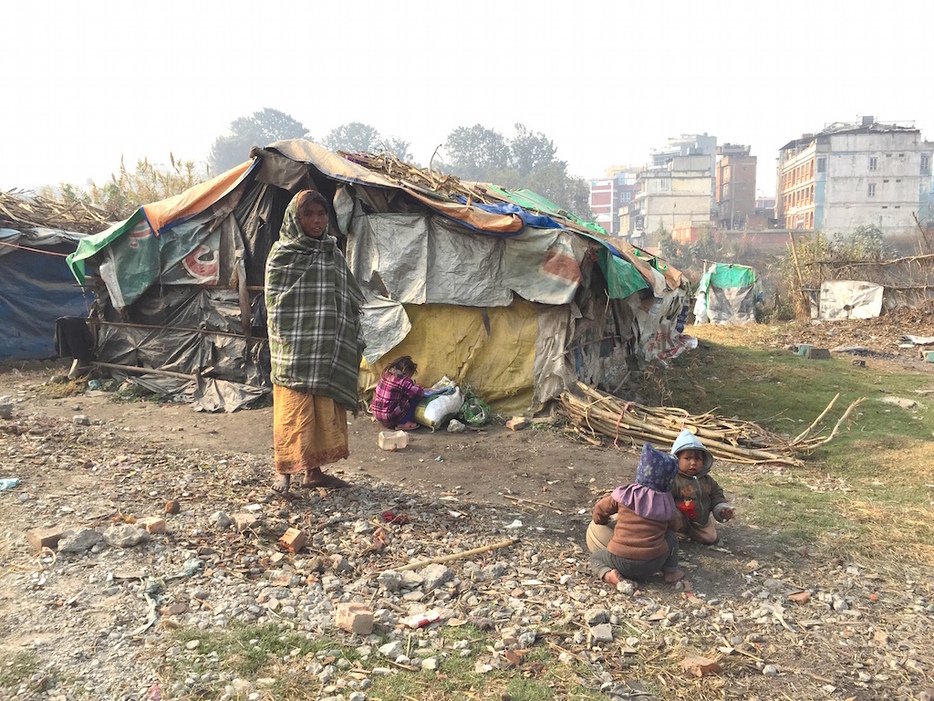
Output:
(18, 668)
(865, 484)
(251, 652)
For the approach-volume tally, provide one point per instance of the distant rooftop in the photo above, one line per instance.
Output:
(866, 125)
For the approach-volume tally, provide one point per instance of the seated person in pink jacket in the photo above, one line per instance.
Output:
(642, 542)
(397, 395)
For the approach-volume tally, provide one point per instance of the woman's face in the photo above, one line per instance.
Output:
(313, 219)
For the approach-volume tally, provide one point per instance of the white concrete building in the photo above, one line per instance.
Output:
(677, 191)
(852, 175)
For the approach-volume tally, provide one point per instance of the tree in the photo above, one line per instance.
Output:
(260, 129)
(399, 148)
(529, 150)
(353, 137)
(476, 151)
(528, 160)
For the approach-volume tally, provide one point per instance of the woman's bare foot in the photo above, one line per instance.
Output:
(316, 478)
(611, 577)
(672, 577)
(407, 426)
(282, 483)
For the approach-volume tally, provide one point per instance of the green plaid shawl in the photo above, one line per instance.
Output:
(313, 306)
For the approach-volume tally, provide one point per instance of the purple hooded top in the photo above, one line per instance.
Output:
(650, 496)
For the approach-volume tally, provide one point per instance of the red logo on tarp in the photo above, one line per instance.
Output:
(203, 264)
(137, 233)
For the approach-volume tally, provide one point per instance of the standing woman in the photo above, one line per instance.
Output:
(313, 308)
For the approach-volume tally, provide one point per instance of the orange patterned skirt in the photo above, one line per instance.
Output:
(308, 430)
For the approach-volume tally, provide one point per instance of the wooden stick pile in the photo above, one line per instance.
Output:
(18, 207)
(425, 180)
(594, 412)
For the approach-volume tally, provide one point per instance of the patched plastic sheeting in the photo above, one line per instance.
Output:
(658, 325)
(550, 367)
(543, 265)
(452, 340)
(385, 326)
(849, 299)
(187, 330)
(427, 260)
(728, 305)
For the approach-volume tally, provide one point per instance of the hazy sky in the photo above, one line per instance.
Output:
(86, 82)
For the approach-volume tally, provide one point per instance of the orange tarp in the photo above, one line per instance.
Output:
(194, 200)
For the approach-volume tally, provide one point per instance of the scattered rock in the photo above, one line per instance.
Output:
(601, 633)
(79, 541)
(434, 576)
(125, 535)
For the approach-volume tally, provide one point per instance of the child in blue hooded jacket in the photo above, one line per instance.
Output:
(697, 495)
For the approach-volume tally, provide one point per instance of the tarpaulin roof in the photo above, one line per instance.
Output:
(162, 215)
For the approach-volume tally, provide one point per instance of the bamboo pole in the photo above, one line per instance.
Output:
(457, 556)
(806, 431)
(794, 255)
(143, 371)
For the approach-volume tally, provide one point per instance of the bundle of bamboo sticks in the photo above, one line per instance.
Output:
(594, 412)
(18, 207)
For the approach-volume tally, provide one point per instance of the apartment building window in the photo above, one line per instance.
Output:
(872, 189)
(925, 163)
(822, 165)
(873, 162)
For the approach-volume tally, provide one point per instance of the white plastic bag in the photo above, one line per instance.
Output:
(434, 411)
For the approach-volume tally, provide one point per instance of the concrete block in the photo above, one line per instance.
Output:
(152, 524)
(293, 540)
(393, 440)
(40, 538)
(355, 617)
(817, 354)
(243, 521)
(517, 423)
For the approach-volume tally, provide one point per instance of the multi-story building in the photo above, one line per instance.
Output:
(608, 194)
(676, 191)
(852, 175)
(735, 186)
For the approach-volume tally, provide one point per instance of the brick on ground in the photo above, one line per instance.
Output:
(40, 538)
(293, 540)
(355, 617)
(153, 524)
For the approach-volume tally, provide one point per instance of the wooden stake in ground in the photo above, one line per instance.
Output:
(794, 255)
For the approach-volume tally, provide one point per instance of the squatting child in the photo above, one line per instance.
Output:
(696, 493)
(642, 542)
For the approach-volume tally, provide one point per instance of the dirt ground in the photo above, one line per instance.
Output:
(540, 465)
(550, 478)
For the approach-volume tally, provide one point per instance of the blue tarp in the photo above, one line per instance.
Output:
(36, 287)
(529, 219)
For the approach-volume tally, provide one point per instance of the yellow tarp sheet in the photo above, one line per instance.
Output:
(453, 341)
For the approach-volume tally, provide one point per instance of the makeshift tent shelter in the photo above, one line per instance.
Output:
(36, 287)
(464, 277)
(727, 294)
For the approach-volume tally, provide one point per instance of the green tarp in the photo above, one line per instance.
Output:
(727, 276)
(534, 202)
(622, 278)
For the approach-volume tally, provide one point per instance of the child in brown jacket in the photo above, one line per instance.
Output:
(696, 493)
(642, 543)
